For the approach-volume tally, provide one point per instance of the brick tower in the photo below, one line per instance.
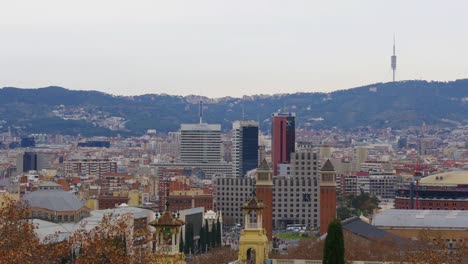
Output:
(264, 192)
(327, 196)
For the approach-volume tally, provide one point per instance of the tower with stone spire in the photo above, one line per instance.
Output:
(327, 196)
(264, 192)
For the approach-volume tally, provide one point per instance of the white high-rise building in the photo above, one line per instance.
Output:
(244, 147)
(360, 154)
(200, 143)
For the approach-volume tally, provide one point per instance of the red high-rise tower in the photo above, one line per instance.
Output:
(283, 137)
(264, 192)
(327, 196)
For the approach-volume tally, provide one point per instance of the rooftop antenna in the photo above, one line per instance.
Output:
(243, 110)
(200, 111)
(393, 59)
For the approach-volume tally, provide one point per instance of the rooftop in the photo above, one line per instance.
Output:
(53, 199)
(358, 227)
(328, 166)
(446, 179)
(200, 127)
(402, 218)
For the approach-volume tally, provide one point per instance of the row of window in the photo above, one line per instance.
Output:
(284, 182)
(294, 215)
(287, 190)
(292, 210)
(56, 218)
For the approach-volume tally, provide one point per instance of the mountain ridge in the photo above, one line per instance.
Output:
(56, 109)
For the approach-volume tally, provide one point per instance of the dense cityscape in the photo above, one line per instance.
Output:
(233, 132)
(378, 182)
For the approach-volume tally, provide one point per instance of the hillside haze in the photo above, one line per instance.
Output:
(396, 105)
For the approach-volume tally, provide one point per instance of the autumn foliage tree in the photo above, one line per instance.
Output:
(19, 242)
(108, 242)
(217, 255)
(431, 247)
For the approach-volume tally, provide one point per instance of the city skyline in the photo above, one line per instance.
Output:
(217, 49)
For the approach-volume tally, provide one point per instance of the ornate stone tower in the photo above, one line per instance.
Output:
(253, 242)
(327, 196)
(264, 193)
(167, 239)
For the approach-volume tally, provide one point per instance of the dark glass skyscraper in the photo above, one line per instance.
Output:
(29, 161)
(244, 147)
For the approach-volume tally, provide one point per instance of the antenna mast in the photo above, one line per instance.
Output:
(393, 59)
(200, 111)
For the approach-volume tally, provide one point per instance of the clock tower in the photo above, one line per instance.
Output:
(264, 192)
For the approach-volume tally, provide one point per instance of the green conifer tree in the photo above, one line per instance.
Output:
(191, 236)
(187, 238)
(333, 251)
(181, 244)
(213, 235)
(218, 233)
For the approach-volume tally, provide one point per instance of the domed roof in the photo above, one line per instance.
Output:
(451, 178)
(54, 200)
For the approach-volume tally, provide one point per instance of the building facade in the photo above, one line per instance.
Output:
(90, 167)
(327, 196)
(244, 147)
(230, 195)
(200, 143)
(443, 191)
(283, 137)
(264, 192)
(51, 203)
(296, 197)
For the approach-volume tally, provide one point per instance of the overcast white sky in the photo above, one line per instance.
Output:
(220, 48)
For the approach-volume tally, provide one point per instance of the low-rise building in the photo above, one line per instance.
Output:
(51, 203)
(449, 226)
(443, 191)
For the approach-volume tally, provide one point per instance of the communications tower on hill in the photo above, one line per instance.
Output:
(393, 59)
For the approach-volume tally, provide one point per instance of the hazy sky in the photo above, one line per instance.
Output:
(220, 48)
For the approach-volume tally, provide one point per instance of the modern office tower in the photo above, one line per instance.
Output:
(264, 193)
(327, 196)
(244, 147)
(296, 197)
(283, 137)
(33, 161)
(44, 160)
(26, 161)
(359, 156)
(200, 143)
